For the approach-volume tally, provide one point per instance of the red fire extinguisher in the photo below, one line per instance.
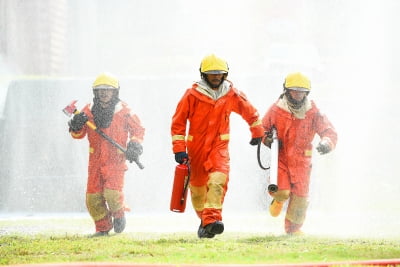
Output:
(180, 187)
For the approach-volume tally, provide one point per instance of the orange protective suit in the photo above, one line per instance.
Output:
(295, 136)
(207, 143)
(107, 166)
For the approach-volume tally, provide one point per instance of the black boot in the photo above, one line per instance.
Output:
(202, 233)
(119, 224)
(215, 228)
(210, 230)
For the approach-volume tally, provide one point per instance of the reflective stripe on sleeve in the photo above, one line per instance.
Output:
(134, 138)
(308, 153)
(224, 137)
(256, 123)
(76, 134)
(178, 137)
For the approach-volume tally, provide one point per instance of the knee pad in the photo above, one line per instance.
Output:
(114, 199)
(297, 208)
(96, 206)
(216, 190)
(198, 195)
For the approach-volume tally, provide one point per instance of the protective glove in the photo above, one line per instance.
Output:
(267, 139)
(181, 157)
(323, 147)
(77, 122)
(255, 141)
(133, 151)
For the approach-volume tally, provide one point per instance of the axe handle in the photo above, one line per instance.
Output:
(136, 160)
(138, 163)
(109, 139)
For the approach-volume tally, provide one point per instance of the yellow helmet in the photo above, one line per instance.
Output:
(297, 81)
(213, 65)
(106, 81)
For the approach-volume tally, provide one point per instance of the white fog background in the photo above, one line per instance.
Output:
(51, 51)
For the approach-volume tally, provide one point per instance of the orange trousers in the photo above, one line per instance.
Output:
(104, 196)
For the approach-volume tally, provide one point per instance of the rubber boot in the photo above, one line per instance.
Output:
(119, 221)
(210, 230)
(215, 228)
(275, 208)
(119, 224)
(202, 232)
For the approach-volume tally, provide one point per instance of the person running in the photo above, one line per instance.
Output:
(207, 106)
(104, 194)
(297, 120)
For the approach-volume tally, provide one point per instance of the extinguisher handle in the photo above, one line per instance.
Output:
(181, 157)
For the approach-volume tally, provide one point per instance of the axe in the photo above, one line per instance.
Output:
(71, 109)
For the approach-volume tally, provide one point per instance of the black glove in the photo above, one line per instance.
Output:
(268, 139)
(255, 141)
(181, 157)
(77, 122)
(133, 151)
(323, 147)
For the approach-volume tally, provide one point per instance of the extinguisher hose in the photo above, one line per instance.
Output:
(259, 157)
(185, 187)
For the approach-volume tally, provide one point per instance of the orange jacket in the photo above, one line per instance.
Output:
(124, 125)
(296, 136)
(208, 135)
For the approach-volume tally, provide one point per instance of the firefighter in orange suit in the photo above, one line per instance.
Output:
(207, 106)
(296, 119)
(104, 195)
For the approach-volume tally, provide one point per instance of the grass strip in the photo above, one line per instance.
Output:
(186, 248)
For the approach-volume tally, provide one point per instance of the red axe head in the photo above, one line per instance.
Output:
(70, 109)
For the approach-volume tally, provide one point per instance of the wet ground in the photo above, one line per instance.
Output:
(81, 223)
(343, 225)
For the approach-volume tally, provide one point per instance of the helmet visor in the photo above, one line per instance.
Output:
(215, 72)
(104, 87)
(299, 89)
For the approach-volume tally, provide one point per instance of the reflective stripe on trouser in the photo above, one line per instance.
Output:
(207, 200)
(296, 211)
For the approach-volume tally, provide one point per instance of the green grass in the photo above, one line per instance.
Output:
(186, 248)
